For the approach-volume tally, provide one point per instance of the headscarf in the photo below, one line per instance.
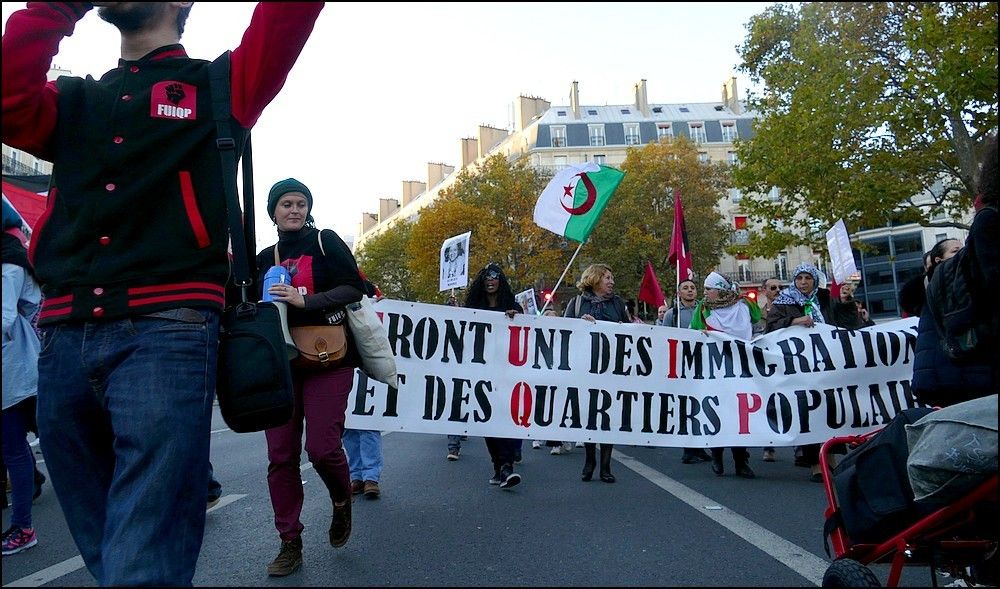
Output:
(793, 296)
(284, 187)
(724, 313)
(729, 292)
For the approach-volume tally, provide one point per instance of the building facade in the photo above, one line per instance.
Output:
(553, 137)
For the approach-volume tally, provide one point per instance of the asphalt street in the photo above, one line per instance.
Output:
(439, 523)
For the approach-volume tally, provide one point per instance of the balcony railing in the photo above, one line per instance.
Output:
(13, 167)
(749, 278)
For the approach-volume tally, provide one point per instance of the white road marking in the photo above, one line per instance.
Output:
(49, 574)
(796, 558)
(224, 501)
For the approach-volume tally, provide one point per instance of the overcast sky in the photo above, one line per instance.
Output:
(382, 89)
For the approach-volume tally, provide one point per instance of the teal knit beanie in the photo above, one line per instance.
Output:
(284, 187)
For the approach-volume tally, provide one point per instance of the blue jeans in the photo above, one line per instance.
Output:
(124, 416)
(19, 462)
(454, 442)
(364, 454)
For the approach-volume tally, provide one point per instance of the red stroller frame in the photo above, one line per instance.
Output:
(951, 534)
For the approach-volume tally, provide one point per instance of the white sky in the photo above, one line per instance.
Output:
(382, 89)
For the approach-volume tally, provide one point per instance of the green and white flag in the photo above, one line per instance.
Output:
(574, 200)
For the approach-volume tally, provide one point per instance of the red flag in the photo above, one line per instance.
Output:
(650, 291)
(680, 255)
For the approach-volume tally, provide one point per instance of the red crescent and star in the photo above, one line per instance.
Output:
(586, 205)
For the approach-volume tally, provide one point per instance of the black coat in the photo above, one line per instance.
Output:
(937, 380)
(844, 315)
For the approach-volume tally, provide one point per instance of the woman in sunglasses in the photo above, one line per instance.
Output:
(491, 291)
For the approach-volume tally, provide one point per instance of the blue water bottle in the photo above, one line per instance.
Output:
(275, 275)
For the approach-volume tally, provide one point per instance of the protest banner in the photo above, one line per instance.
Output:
(480, 373)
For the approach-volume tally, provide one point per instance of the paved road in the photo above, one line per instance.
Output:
(440, 523)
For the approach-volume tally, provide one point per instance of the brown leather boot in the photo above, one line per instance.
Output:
(340, 528)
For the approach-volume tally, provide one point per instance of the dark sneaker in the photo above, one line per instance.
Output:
(496, 480)
(212, 502)
(508, 478)
(701, 454)
(16, 539)
(288, 560)
(744, 470)
(357, 487)
(340, 528)
(371, 490)
(453, 454)
(39, 481)
(717, 467)
(517, 457)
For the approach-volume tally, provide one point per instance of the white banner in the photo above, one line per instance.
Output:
(464, 371)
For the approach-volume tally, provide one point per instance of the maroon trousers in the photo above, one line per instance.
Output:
(321, 402)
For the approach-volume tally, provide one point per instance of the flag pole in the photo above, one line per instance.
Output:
(563, 275)
(677, 294)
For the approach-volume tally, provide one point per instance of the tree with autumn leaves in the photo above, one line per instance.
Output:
(872, 112)
(496, 200)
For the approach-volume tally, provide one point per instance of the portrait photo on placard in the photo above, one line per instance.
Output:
(527, 301)
(455, 262)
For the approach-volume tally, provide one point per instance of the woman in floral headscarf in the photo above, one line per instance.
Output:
(803, 302)
(725, 309)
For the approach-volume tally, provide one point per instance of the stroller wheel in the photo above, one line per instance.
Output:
(849, 573)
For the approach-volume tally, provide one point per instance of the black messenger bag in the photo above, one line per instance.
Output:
(254, 383)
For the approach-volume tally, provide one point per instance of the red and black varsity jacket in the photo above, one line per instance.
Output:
(136, 216)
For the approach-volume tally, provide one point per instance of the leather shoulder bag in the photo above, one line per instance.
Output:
(320, 347)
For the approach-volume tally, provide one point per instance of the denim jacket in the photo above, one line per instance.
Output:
(21, 301)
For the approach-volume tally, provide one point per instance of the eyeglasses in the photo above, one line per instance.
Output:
(492, 275)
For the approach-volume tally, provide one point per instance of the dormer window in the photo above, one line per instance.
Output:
(664, 130)
(631, 133)
(729, 131)
(596, 133)
(559, 136)
(697, 132)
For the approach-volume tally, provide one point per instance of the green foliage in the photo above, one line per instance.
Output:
(383, 259)
(638, 223)
(872, 111)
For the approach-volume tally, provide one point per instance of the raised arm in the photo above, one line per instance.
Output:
(30, 41)
(270, 46)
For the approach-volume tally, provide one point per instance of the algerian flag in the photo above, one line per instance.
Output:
(573, 201)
